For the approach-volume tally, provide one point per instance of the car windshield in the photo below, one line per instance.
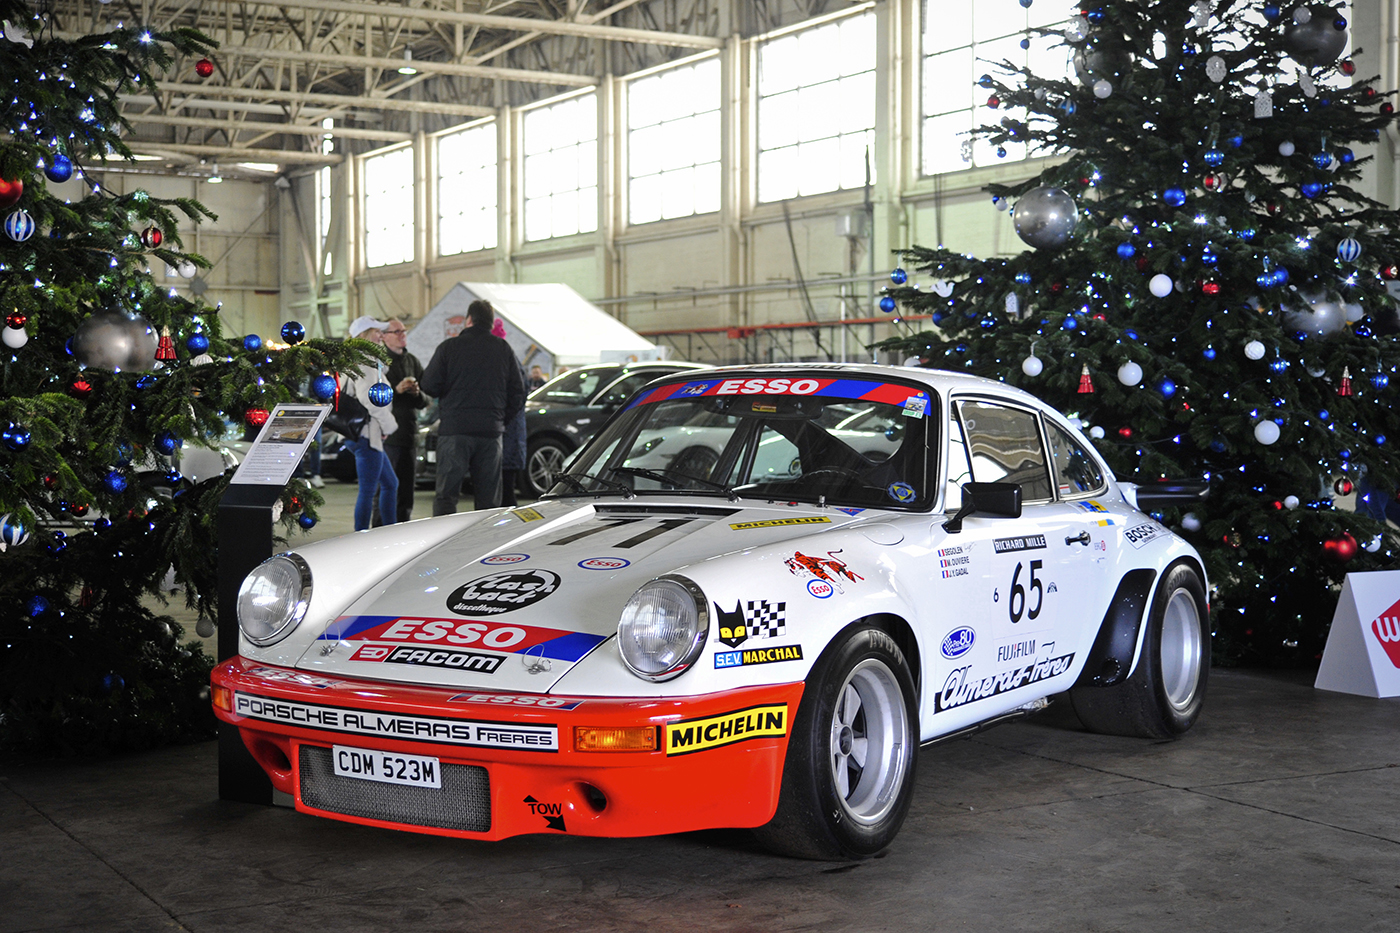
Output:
(841, 441)
(576, 386)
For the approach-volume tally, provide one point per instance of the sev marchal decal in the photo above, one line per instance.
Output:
(777, 522)
(698, 735)
(757, 656)
(959, 689)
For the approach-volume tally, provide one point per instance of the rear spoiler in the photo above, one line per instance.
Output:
(1160, 494)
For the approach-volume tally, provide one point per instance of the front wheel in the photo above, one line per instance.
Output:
(543, 460)
(849, 775)
(1164, 695)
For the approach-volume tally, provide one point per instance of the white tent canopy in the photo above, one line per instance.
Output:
(547, 325)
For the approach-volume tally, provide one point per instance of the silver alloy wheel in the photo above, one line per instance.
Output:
(545, 461)
(1181, 649)
(870, 741)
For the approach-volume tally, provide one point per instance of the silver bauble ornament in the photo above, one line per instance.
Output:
(1254, 350)
(1091, 65)
(1045, 217)
(1266, 433)
(1103, 89)
(14, 337)
(204, 628)
(1130, 373)
(1290, 502)
(1317, 41)
(116, 340)
(1077, 29)
(1191, 522)
(1323, 317)
(1160, 285)
(1032, 366)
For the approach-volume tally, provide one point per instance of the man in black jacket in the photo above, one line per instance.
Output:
(405, 373)
(476, 380)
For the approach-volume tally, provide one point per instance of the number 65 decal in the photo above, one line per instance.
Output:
(1016, 602)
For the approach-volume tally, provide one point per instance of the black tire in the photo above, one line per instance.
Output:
(543, 458)
(1163, 696)
(859, 697)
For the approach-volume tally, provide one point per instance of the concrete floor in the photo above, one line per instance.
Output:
(1280, 811)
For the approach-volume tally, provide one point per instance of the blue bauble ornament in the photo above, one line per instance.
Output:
(1025, 43)
(1363, 330)
(1067, 107)
(101, 524)
(293, 332)
(1322, 159)
(1214, 157)
(1348, 250)
(59, 169)
(1281, 276)
(59, 542)
(1069, 323)
(1279, 366)
(1380, 380)
(146, 382)
(167, 443)
(124, 452)
(1311, 189)
(19, 226)
(1167, 388)
(888, 304)
(1208, 256)
(1345, 156)
(37, 606)
(1023, 278)
(12, 533)
(1126, 250)
(306, 521)
(1026, 4)
(1175, 197)
(115, 481)
(899, 276)
(1271, 12)
(1208, 353)
(252, 343)
(1247, 234)
(112, 682)
(197, 342)
(382, 394)
(173, 477)
(15, 438)
(1001, 152)
(323, 387)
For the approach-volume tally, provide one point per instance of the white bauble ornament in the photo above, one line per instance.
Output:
(1323, 317)
(1215, 68)
(1290, 502)
(1354, 311)
(15, 337)
(204, 628)
(1160, 285)
(1254, 350)
(1266, 433)
(1077, 29)
(1032, 366)
(1373, 545)
(1102, 88)
(1190, 522)
(1130, 373)
(1286, 148)
(1096, 433)
(186, 269)
(1302, 15)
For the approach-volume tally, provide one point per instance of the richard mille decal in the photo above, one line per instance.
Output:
(1019, 543)
(960, 689)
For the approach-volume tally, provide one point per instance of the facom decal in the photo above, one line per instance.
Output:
(517, 699)
(501, 592)
(901, 492)
(1012, 651)
(698, 735)
(604, 563)
(496, 559)
(1139, 535)
(820, 589)
(758, 619)
(1018, 543)
(453, 658)
(757, 656)
(960, 689)
(291, 677)
(1386, 628)
(829, 569)
(776, 522)
(958, 642)
(553, 813)
(407, 726)
(526, 515)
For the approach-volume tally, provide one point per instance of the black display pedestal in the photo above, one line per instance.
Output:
(245, 540)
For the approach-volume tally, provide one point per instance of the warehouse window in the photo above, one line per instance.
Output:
(561, 168)
(673, 135)
(816, 109)
(389, 208)
(466, 193)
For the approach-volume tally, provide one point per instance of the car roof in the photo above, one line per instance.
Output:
(943, 381)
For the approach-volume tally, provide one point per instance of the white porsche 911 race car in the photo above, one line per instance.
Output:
(747, 603)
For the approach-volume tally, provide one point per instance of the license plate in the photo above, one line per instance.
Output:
(387, 767)
(432, 456)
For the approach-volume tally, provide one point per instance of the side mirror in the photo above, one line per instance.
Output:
(993, 500)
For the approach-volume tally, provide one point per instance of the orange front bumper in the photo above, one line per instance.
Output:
(718, 760)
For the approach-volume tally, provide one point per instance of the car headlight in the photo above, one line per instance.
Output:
(273, 599)
(663, 628)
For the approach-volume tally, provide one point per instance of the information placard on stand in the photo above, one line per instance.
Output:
(245, 523)
(1363, 647)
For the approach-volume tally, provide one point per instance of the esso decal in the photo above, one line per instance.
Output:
(495, 559)
(819, 588)
(452, 632)
(958, 642)
(604, 563)
(768, 387)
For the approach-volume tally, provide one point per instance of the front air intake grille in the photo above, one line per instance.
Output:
(463, 802)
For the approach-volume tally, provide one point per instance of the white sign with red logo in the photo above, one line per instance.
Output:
(1363, 648)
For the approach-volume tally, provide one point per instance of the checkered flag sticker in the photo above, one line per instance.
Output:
(764, 619)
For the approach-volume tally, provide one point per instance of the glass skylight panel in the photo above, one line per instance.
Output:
(673, 143)
(467, 190)
(389, 208)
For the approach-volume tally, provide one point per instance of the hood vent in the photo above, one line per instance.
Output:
(647, 511)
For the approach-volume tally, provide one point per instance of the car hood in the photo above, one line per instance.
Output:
(513, 603)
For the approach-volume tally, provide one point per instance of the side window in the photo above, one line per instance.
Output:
(777, 459)
(959, 469)
(1004, 444)
(1076, 471)
(622, 390)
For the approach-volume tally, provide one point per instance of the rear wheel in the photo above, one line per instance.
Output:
(1164, 695)
(849, 773)
(544, 458)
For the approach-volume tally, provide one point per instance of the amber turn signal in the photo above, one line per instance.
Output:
(222, 698)
(615, 738)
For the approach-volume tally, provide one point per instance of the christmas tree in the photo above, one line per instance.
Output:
(106, 374)
(1205, 290)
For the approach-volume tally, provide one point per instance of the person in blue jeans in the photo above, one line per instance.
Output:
(372, 465)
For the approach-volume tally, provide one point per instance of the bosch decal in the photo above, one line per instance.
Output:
(604, 563)
(776, 522)
(1018, 543)
(553, 813)
(414, 728)
(757, 656)
(698, 735)
(958, 642)
(1140, 535)
(496, 559)
(516, 699)
(502, 592)
(820, 589)
(960, 689)
(757, 619)
(829, 569)
(1386, 628)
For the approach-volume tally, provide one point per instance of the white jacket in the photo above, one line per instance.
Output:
(381, 420)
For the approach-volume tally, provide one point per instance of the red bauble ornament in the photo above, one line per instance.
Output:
(1278, 506)
(257, 417)
(1348, 67)
(1125, 431)
(85, 600)
(1210, 288)
(294, 504)
(10, 192)
(1340, 549)
(1387, 107)
(1343, 486)
(16, 319)
(79, 509)
(80, 388)
(1390, 273)
(204, 67)
(1057, 287)
(152, 237)
(1369, 93)
(1271, 208)
(994, 102)
(1142, 263)
(1211, 182)
(50, 481)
